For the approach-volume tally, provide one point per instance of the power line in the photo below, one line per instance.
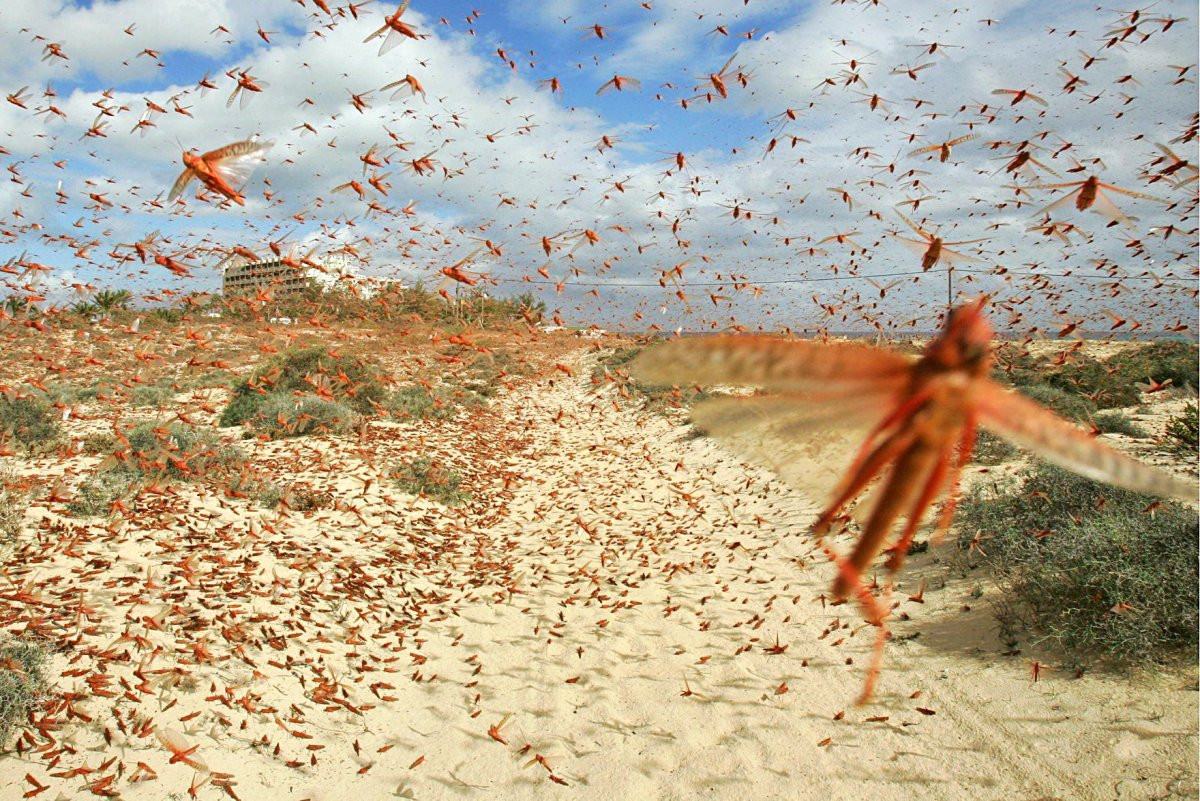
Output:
(823, 279)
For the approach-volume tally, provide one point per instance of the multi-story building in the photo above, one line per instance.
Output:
(245, 277)
(242, 276)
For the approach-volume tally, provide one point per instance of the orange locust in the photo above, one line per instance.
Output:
(223, 170)
(943, 148)
(933, 248)
(922, 417)
(1089, 194)
(620, 83)
(455, 272)
(717, 79)
(174, 742)
(394, 31)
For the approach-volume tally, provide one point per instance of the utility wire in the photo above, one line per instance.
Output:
(823, 279)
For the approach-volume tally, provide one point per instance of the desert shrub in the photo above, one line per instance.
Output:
(13, 504)
(175, 452)
(72, 394)
(269, 494)
(1016, 366)
(1091, 568)
(1114, 382)
(281, 416)
(296, 498)
(1066, 403)
(172, 453)
(423, 476)
(1084, 375)
(489, 371)
(354, 382)
(210, 378)
(22, 681)
(414, 401)
(241, 407)
(1176, 361)
(97, 443)
(992, 450)
(1113, 422)
(29, 420)
(156, 395)
(1183, 431)
(95, 494)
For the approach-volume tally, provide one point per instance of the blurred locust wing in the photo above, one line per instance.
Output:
(1023, 422)
(234, 163)
(825, 399)
(775, 365)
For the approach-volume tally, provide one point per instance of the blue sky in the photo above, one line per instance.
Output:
(845, 165)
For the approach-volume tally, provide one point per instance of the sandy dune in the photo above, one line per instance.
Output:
(641, 611)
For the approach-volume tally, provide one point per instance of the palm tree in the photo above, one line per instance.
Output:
(18, 305)
(110, 300)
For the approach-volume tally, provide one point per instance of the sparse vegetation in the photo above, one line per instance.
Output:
(1065, 402)
(423, 476)
(171, 453)
(993, 450)
(13, 504)
(22, 681)
(1108, 384)
(157, 395)
(1091, 568)
(29, 420)
(339, 380)
(281, 416)
(1114, 422)
(95, 494)
(296, 498)
(1183, 432)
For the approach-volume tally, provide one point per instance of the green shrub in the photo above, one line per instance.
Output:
(1161, 361)
(72, 395)
(354, 382)
(100, 442)
(1119, 423)
(208, 379)
(281, 416)
(295, 498)
(414, 401)
(176, 452)
(1183, 432)
(12, 508)
(241, 407)
(22, 681)
(95, 495)
(993, 450)
(1091, 567)
(422, 476)
(156, 395)
(29, 420)
(1066, 403)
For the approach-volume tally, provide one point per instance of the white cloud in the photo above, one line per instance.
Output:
(541, 173)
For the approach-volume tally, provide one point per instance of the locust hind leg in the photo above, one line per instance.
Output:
(966, 446)
(867, 462)
(864, 472)
(919, 466)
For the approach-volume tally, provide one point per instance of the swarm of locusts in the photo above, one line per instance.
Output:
(924, 415)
